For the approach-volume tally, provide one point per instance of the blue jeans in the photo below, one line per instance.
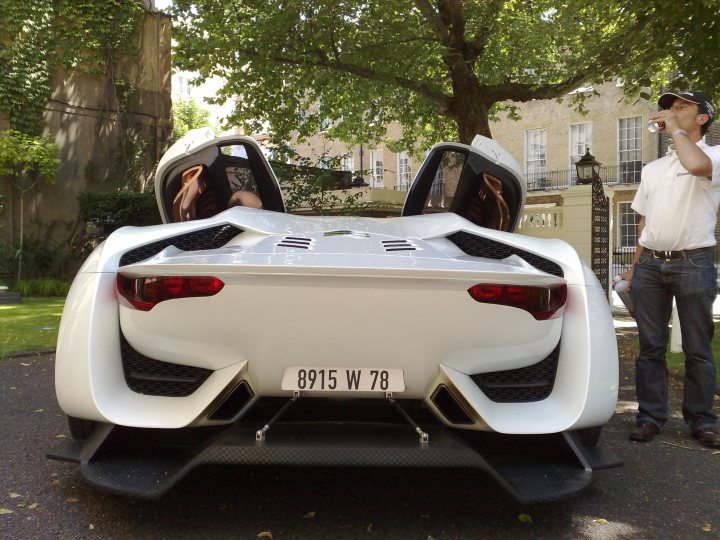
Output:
(693, 283)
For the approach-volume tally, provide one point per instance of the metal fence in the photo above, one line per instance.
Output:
(625, 173)
(621, 260)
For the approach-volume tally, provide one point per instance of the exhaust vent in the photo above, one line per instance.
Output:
(231, 406)
(450, 407)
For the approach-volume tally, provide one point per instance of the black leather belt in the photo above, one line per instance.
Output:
(682, 254)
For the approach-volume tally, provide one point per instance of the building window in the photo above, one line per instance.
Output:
(580, 142)
(404, 171)
(535, 152)
(437, 185)
(181, 84)
(347, 162)
(628, 220)
(376, 168)
(629, 149)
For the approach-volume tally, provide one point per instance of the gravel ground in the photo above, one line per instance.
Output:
(669, 488)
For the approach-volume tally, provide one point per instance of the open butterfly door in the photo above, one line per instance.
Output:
(202, 175)
(480, 182)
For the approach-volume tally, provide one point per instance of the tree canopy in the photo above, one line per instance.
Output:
(441, 68)
(187, 115)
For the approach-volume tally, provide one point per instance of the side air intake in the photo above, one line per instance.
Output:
(522, 385)
(479, 246)
(157, 378)
(210, 238)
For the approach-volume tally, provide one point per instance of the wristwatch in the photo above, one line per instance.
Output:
(679, 130)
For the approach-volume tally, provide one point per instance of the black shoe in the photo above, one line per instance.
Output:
(707, 437)
(644, 432)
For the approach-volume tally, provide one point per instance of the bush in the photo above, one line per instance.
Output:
(44, 286)
(119, 208)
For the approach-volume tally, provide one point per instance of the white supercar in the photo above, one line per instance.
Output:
(250, 336)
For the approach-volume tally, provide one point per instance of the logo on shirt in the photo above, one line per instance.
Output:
(684, 173)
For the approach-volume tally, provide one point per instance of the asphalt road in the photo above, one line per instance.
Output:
(669, 488)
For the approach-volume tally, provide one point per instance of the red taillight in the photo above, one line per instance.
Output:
(541, 302)
(144, 292)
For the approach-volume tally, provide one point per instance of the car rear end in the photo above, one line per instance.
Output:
(424, 325)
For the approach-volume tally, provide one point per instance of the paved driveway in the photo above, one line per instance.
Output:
(667, 489)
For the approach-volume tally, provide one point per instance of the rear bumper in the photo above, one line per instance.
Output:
(146, 463)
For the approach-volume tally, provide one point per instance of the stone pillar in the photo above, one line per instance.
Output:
(577, 220)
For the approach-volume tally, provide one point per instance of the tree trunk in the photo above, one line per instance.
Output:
(473, 122)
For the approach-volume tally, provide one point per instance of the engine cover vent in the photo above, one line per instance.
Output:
(479, 246)
(296, 242)
(399, 245)
(211, 238)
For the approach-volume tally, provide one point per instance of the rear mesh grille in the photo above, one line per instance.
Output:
(156, 378)
(479, 246)
(211, 238)
(522, 385)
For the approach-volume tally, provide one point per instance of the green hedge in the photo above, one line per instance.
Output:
(120, 208)
(44, 286)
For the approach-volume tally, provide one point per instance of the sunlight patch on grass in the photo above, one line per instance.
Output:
(30, 326)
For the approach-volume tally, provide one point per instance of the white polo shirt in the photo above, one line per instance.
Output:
(680, 209)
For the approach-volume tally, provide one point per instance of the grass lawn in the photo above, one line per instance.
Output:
(676, 361)
(30, 326)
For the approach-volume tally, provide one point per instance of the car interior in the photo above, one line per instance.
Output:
(219, 178)
(468, 185)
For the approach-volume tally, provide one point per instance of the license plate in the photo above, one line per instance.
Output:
(343, 379)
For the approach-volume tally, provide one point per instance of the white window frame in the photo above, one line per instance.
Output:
(347, 162)
(582, 143)
(377, 166)
(183, 85)
(629, 174)
(403, 178)
(626, 231)
(535, 151)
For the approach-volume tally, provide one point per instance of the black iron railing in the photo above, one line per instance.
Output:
(622, 259)
(625, 173)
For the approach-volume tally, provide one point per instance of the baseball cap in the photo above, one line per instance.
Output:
(702, 101)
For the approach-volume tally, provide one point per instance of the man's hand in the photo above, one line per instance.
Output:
(667, 117)
(627, 276)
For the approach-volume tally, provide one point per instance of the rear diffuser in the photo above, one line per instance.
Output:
(148, 462)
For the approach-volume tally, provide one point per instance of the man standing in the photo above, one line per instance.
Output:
(678, 200)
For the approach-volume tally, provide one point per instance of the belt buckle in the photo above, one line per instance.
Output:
(662, 255)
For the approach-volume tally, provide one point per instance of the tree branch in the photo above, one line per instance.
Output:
(323, 61)
(434, 21)
(477, 46)
(525, 92)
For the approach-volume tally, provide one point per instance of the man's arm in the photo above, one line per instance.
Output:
(695, 161)
(627, 275)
